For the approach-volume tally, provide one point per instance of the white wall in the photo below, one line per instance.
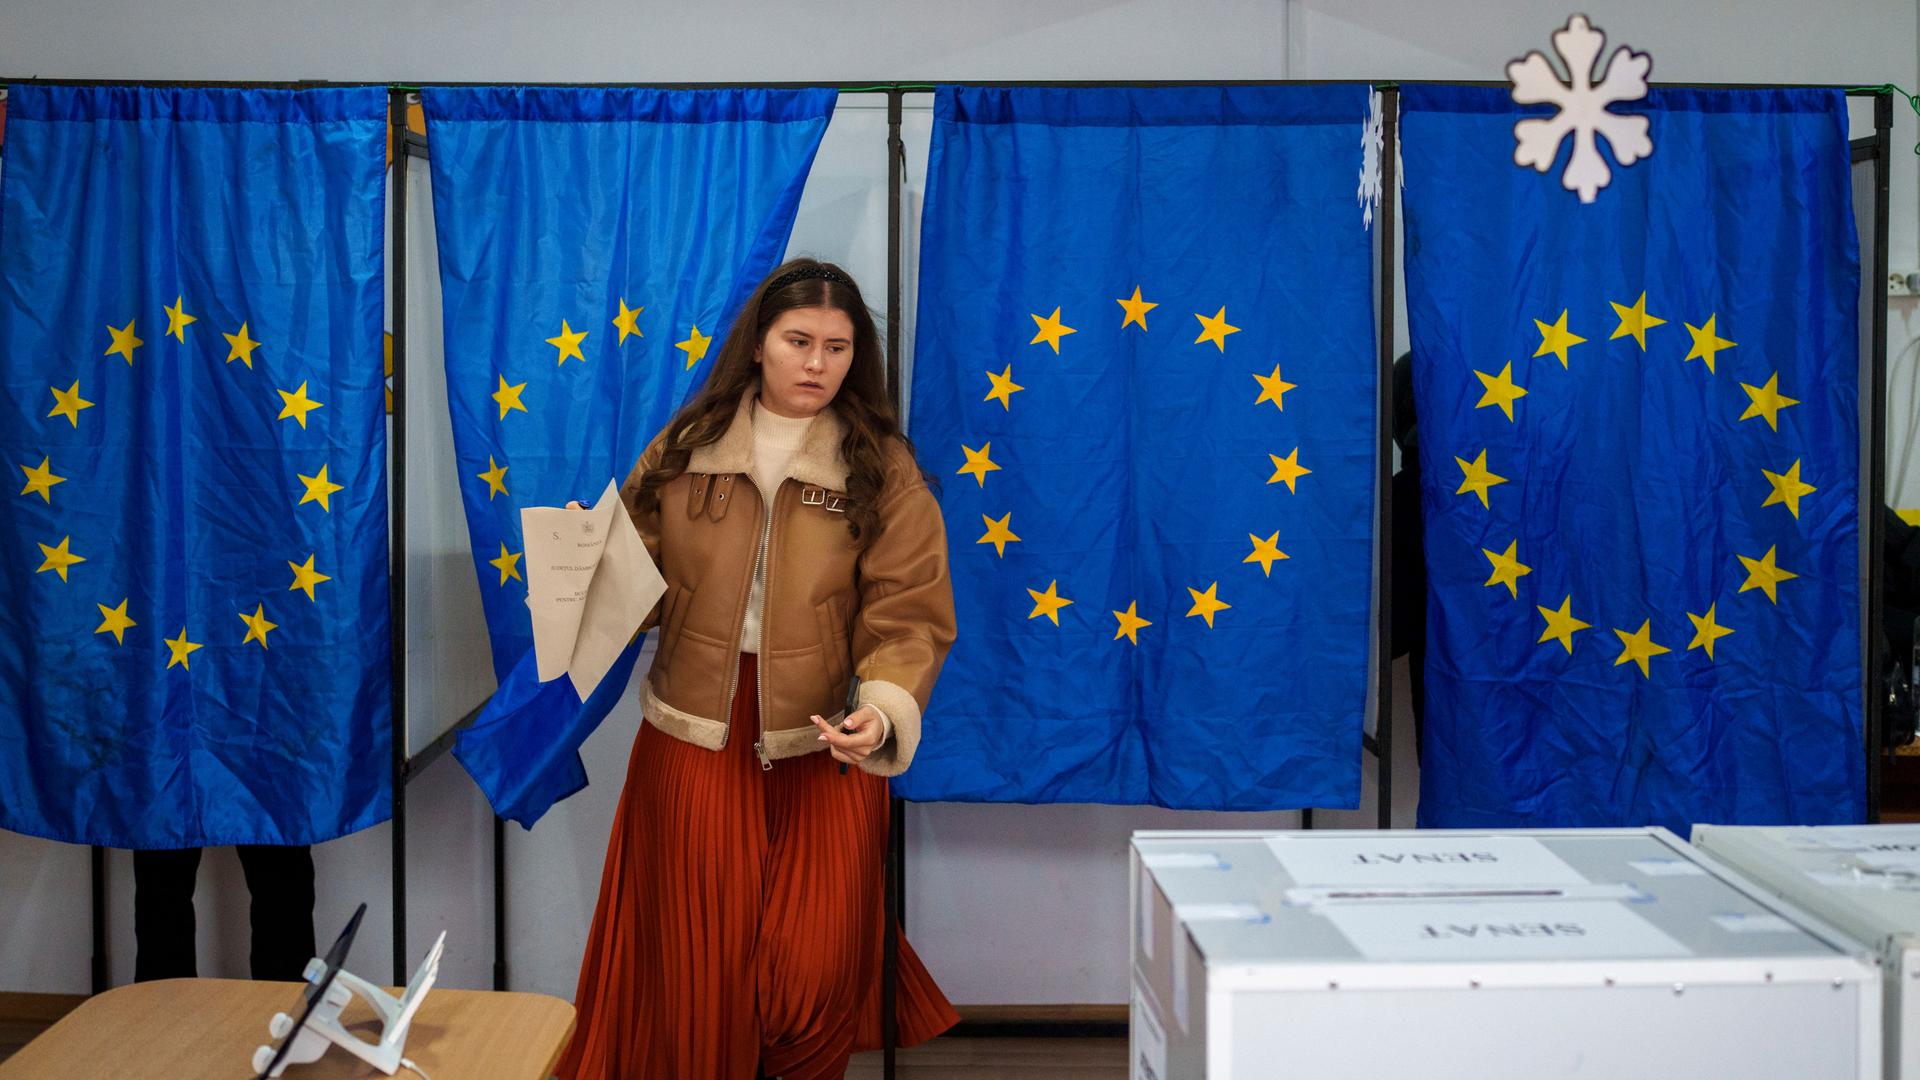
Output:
(1008, 904)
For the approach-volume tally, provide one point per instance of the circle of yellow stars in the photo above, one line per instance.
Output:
(60, 559)
(1050, 330)
(1784, 488)
(571, 344)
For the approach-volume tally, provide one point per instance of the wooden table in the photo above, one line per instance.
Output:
(189, 1029)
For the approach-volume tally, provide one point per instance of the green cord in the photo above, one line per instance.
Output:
(1889, 88)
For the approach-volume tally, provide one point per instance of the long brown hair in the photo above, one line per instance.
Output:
(861, 402)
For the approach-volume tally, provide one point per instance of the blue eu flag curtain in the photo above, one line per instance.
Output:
(1144, 374)
(1639, 436)
(194, 643)
(593, 244)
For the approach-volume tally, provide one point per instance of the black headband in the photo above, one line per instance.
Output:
(805, 272)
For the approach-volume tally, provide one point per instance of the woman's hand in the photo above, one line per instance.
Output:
(851, 742)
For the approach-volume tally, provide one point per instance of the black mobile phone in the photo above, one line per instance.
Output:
(852, 703)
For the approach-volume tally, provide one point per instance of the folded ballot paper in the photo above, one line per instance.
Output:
(590, 582)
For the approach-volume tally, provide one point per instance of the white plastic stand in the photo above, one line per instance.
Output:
(324, 1027)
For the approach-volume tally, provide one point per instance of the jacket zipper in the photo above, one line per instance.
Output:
(764, 571)
(733, 680)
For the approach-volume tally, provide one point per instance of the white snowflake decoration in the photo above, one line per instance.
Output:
(1583, 108)
(1372, 141)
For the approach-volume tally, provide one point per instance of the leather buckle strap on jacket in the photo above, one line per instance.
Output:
(709, 495)
(832, 607)
(834, 502)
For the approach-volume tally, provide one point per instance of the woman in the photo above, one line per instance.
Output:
(740, 919)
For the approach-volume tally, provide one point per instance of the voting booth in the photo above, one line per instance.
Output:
(1457, 954)
(1863, 879)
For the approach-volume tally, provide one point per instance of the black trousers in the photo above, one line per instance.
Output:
(280, 882)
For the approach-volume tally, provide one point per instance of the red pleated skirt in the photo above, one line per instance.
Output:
(739, 926)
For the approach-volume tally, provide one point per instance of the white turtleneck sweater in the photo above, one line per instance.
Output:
(775, 440)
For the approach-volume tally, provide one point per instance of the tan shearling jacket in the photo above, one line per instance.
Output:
(831, 609)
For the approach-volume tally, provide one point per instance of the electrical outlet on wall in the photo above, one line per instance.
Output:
(1903, 283)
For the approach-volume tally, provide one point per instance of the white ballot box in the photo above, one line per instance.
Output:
(1865, 880)
(1612, 953)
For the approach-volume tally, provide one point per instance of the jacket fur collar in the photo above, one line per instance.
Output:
(817, 461)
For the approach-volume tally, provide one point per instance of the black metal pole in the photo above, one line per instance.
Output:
(98, 870)
(895, 857)
(1875, 436)
(397, 527)
(499, 903)
(1383, 619)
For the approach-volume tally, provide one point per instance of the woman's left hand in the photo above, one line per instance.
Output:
(859, 735)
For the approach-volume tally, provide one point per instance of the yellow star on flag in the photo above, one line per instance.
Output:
(1635, 321)
(1787, 488)
(568, 342)
(68, 403)
(1706, 631)
(627, 322)
(508, 397)
(1136, 309)
(508, 564)
(1476, 477)
(1266, 552)
(1507, 569)
(1639, 647)
(695, 347)
(978, 464)
(1767, 401)
(124, 342)
(240, 347)
(1047, 603)
(40, 480)
(115, 621)
(1561, 625)
(1762, 574)
(1003, 388)
(496, 478)
(58, 558)
(1287, 470)
(257, 625)
(1215, 329)
(999, 533)
(181, 649)
(178, 320)
(1272, 387)
(319, 488)
(1706, 342)
(298, 404)
(1555, 338)
(1205, 604)
(1501, 390)
(1130, 623)
(305, 577)
(1050, 330)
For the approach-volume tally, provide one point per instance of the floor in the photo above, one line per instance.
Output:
(1003, 1059)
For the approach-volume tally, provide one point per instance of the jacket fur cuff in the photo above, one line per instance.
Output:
(893, 756)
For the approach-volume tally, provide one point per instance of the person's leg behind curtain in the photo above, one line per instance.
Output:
(280, 890)
(163, 925)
